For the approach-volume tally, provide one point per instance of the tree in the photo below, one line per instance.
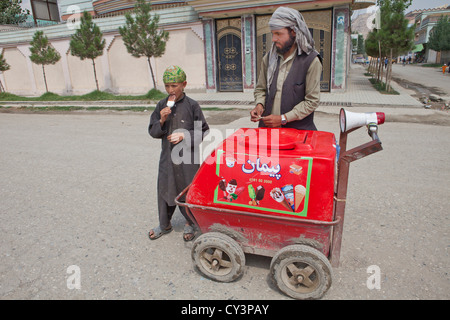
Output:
(11, 12)
(360, 49)
(394, 37)
(440, 35)
(372, 49)
(88, 42)
(141, 35)
(354, 44)
(3, 67)
(43, 53)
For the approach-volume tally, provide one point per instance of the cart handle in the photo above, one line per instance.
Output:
(362, 150)
(345, 158)
(253, 214)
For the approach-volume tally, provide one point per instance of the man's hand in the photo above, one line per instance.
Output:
(164, 114)
(256, 113)
(272, 121)
(176, 137)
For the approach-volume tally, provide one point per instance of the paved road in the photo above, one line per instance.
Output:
(424, 76)
(78, 194)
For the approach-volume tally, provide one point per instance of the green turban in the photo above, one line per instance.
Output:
(174, 74)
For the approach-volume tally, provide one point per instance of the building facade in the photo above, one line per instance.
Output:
(219, 44)
(425, 20)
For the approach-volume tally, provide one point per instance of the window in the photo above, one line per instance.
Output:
(45, 10)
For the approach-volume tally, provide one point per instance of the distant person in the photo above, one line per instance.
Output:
(448, 66)
(288, 88)
(409, 60)
(176, 119)
(385, 63)
(404, 61)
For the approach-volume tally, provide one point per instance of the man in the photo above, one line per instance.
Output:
(288, 88)
(180, 124)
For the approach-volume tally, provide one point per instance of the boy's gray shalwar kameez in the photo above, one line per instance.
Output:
(173, 176)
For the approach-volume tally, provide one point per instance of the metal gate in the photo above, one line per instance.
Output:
(229, 55)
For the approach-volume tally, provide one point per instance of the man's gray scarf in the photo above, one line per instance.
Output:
(285, 17)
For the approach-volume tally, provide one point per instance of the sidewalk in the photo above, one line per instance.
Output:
(360, 96)
(359, 92)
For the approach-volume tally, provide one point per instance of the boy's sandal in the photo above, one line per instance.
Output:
(158, 232)
(188, 233)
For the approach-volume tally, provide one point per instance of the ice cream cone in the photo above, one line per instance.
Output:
(286, 204)
(300, 192)
(278, 196)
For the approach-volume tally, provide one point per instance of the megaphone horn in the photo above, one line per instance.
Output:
(350, 120)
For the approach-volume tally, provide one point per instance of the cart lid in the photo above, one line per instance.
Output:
(283, 139)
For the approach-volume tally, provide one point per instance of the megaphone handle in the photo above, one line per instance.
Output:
(374, 136)
(372, 129)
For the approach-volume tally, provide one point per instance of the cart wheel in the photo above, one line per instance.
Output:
(218, 256)
(301, 272)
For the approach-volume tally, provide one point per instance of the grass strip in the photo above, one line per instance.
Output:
(154, 95)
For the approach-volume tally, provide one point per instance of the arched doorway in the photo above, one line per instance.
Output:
(229, 52)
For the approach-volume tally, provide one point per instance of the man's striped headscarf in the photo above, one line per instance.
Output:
(285, 17)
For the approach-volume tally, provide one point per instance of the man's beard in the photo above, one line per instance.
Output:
(287, 46)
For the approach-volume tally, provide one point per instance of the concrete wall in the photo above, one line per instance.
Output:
(17, 79)
(185, 49)
(192, 46)
(117, 71)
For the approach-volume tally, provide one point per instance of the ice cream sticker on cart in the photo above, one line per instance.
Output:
(256, 182)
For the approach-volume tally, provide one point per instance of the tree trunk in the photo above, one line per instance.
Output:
(380, 75)
(45, 78)
(380, 64)
(375, 67)
(2, 89)
(95, 74)
(386, 75)
(389, 73)
(151, 70)
(372, 67)
(378, 69)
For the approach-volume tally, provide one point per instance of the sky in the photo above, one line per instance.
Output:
(426, 4)
(416, 5)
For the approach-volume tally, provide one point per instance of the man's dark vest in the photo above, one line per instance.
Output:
(293, 91)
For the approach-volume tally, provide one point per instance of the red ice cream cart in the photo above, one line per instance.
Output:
(279, 193)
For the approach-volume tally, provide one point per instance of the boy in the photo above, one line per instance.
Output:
(180, 124)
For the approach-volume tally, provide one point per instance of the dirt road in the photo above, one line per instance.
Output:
(78, 198)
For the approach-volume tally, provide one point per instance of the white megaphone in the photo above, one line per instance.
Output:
(350, 120)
